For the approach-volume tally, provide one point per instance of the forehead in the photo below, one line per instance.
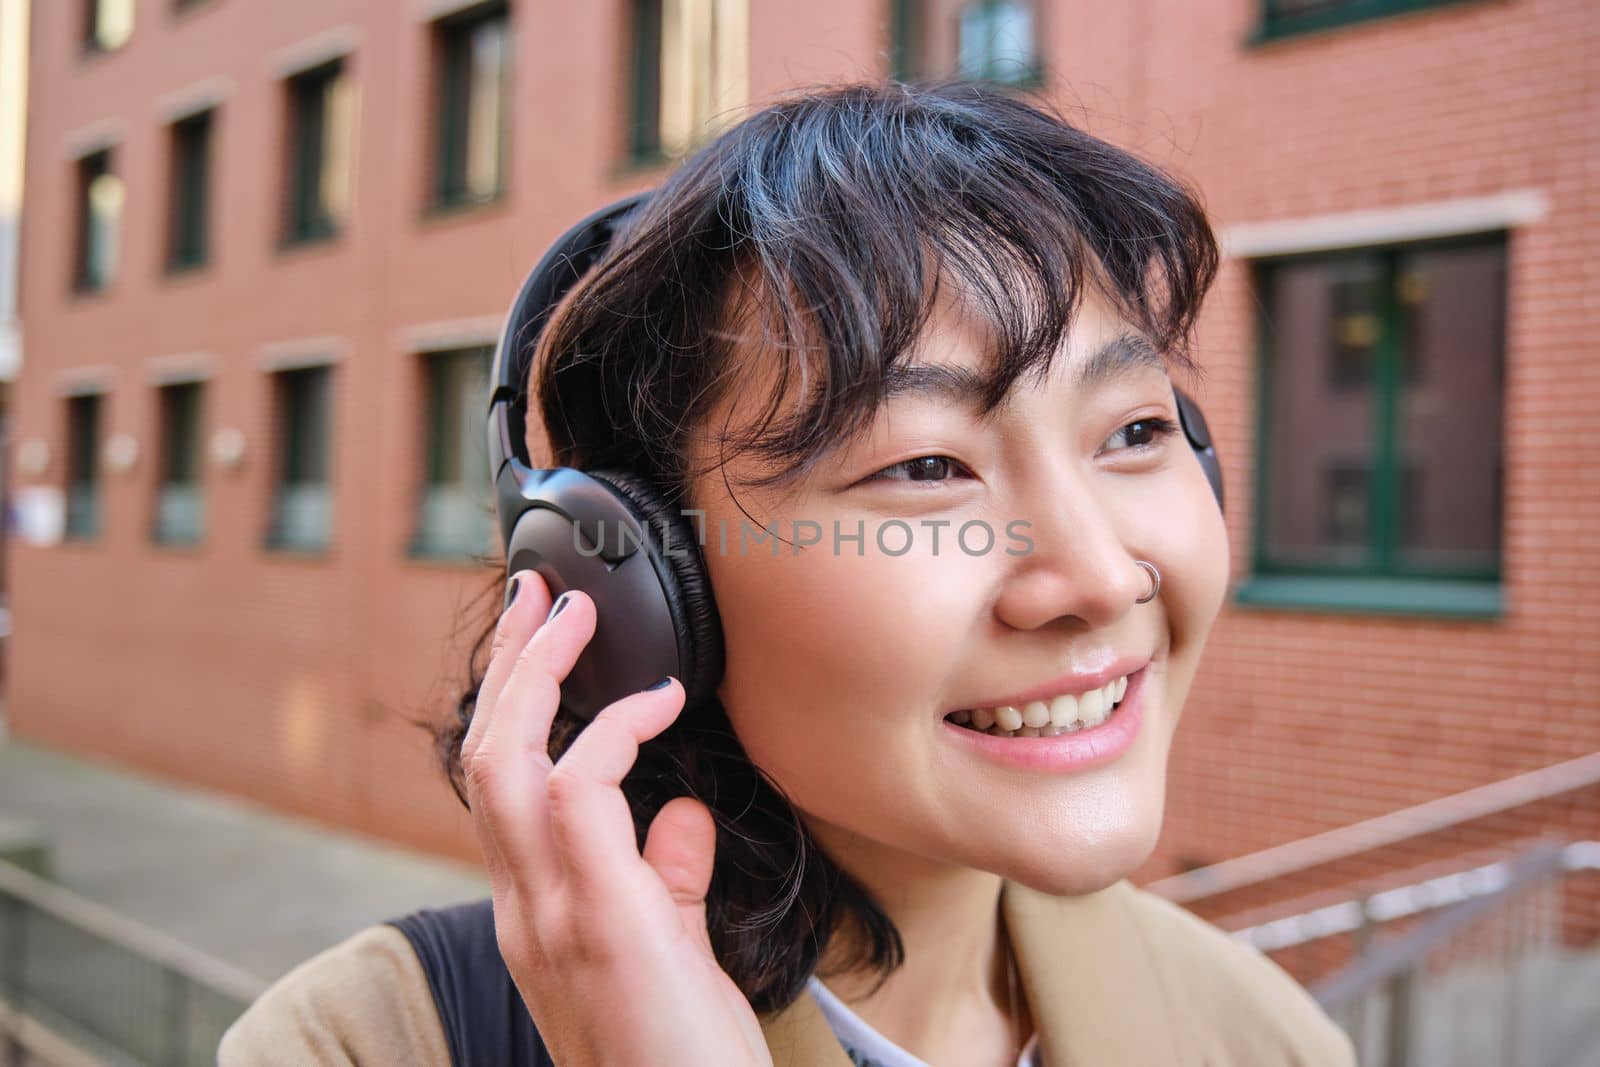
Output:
(958, 359)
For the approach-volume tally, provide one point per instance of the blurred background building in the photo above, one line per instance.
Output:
(267, 248)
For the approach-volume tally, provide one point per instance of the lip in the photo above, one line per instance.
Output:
(1076, 684)
(1077, 751)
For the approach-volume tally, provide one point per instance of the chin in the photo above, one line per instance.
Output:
(1094, 845)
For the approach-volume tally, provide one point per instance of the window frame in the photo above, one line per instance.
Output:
(905, 20)
(94, 530)
(84, 282)
(1380, 586)
(89, 44)
(277, 539)
(1273, 26)
(433, 368)
(451, 79)
(303, 222)
(160, 534)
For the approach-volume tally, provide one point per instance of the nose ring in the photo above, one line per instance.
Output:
(1155, 577)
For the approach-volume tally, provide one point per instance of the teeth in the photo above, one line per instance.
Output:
(1066, 713)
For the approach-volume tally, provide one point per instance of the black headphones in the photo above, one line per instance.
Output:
(610, 532)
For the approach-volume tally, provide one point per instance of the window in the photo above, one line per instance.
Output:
(190, 176)
(1381, 424)
(455, 517)
(302, 508)
(100, 197)
(1281, 18)
(107, 24)
(180, 517)
(689, 72)
(472, 77)
(320, 145)
(979, 40)
(83, 466)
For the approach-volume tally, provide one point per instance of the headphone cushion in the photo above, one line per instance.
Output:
(688, 592)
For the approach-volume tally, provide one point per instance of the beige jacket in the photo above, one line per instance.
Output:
(1118, 978)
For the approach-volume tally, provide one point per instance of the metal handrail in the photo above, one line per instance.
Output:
(1393, 958)
(1384, 830)
(1351, 914)
(153, 945)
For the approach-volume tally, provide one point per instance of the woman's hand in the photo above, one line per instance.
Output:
(608, 947)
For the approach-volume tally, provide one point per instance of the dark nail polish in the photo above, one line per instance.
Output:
(659, 685)
(561, 602)
(512, 588)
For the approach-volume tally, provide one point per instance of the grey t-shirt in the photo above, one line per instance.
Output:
(868, 1048)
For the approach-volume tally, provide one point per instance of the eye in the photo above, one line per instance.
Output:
(1146, 433)
(931, 468)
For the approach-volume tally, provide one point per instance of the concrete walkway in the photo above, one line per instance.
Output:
(233, 880)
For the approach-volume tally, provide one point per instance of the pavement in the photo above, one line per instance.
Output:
(234, 880)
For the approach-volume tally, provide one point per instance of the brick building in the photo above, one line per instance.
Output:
(265, 248)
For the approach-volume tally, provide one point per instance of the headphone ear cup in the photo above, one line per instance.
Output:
(688, 590)
(1199, 435)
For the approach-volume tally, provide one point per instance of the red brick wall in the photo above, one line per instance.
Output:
(283, 680)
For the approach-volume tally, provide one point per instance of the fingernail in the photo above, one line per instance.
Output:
(659, 685)
(561, 602)
(512, 588)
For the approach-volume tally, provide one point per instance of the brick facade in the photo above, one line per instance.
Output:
(285, 679)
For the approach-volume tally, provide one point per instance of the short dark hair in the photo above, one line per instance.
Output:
(831, 218)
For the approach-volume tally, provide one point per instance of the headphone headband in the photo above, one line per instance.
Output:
(568, 259)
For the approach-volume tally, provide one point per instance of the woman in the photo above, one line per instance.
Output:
(849, 336)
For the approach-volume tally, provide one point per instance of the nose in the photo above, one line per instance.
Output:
(1079, 565)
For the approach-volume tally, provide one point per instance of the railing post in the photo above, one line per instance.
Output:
(177, 1019)
(15, 959)
(1402, 989)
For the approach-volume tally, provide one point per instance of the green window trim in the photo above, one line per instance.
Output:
(1277, 23)
(1456, 598)
(1382, 584)
(188, 210)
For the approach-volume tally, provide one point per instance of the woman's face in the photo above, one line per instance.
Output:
(845, 657)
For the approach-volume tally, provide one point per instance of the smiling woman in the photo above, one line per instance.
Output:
(900, 828)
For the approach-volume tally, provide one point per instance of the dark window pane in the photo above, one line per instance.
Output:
(191, 162)
(83, 466)
(1449, 423)
(1317, 449)
(1353, 322)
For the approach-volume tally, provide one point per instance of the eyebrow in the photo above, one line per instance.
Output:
(1123, 355)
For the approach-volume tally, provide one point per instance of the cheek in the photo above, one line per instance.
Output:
(834, 659)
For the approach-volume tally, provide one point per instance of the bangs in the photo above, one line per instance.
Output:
(822, 231)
